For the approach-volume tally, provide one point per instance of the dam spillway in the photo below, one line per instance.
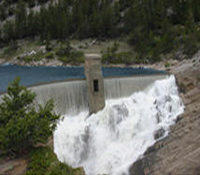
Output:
(67, 85)
(31, 75)
(71, 96)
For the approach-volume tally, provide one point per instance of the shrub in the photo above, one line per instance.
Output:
(167, 64)
(69, 55)
(64, 59)
(191, 44)
(21, 125)
(64, 51)
(44, 162)
(77, 56)
(117, 58)
(123, 57)
(34, 57)
(49, 55)
(11, 49)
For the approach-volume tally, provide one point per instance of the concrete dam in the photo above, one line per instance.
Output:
(89, 94)
(109, 119)
(72, 96)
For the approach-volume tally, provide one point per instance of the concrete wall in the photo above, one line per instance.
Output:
(95, 86)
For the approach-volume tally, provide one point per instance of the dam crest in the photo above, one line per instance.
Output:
(72, 96)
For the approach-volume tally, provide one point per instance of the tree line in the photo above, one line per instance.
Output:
(149, 24)
(80, 19)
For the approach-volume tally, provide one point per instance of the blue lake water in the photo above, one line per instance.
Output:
(34, 75)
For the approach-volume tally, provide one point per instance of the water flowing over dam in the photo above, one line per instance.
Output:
(69, 90)
(139, 110)
(71, 96)
(109, 141)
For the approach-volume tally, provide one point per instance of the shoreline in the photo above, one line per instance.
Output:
(55, 63)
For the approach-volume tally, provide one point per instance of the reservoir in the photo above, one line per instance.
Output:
(35, 75)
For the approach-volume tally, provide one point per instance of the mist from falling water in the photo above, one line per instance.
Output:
(111, 140)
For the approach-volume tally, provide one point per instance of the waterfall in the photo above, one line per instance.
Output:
(125, 86)
(109, 141)
(71, 96)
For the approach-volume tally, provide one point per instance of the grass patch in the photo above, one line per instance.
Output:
(44, 162)
(67, 54)
(167, 64)
(118, 58)
(115, 56)
(75, 57)
(11, 50)
(33, 57)
(49, 55)
(15, 48)
(64, 59)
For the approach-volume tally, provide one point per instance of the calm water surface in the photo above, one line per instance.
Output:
(33, 75)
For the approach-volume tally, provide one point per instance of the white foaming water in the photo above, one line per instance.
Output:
(111, 140)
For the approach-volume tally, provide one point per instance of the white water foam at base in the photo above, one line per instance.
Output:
(111, 140)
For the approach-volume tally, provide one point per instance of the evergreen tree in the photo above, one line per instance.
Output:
(1, 41)
(143, 21)
(42, 23)
(94, 25)
(195, 5)
(21, 19)
(31, 24)
(31, 3)
(21, 125)
(107, 19)
(8, 31)
(3, 13)
(189, 23)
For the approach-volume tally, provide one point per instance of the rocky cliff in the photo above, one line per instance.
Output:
(179, 153)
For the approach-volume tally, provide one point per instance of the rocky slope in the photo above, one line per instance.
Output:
(179, 153)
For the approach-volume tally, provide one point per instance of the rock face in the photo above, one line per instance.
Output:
(179, 153)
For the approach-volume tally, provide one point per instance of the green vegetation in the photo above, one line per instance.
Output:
(113, 55)
(117, 58)
(25, 128)
(152, 28)
(49, 55)
(44, 161)
(167, 64)
(22, 125)
(68, 54)
(162, 27)
(34, 57)
(11, 49)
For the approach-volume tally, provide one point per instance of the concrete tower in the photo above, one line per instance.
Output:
(94, 82)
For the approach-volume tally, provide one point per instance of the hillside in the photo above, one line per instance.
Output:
(153, 29)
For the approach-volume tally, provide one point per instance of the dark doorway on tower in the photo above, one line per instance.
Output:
(96, 85)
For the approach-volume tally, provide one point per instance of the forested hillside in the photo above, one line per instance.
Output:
(152, 27)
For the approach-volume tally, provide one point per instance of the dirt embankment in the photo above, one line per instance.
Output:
(179, 153)
(2, 61)
(13, 167)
